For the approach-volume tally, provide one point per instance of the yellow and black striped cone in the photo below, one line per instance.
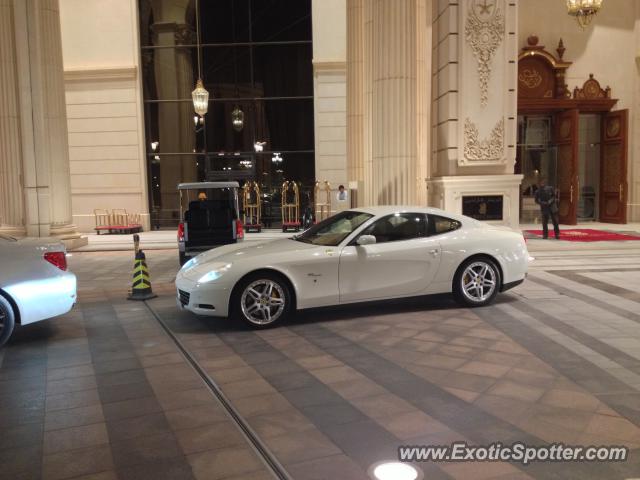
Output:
(141, 289)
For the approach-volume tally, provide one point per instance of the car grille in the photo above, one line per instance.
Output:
(184, 297)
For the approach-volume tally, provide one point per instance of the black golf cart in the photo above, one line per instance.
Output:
(209, 217)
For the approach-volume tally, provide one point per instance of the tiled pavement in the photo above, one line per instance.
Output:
(104, 392)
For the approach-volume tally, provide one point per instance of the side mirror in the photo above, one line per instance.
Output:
(366, 240)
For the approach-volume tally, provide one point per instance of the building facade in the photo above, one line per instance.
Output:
(403, 101)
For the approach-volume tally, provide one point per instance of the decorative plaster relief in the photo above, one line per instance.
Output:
(484, 31)
(489, 150)
(531, 78)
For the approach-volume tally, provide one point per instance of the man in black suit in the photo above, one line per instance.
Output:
(546, 198)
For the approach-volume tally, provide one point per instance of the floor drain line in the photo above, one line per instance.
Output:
(260, 448)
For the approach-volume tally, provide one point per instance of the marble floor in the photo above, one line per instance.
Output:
(128, 390)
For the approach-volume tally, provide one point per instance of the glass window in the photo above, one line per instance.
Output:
(280, 20)
(283, 70)
(335, 229)
(257, 65)
(440, 224)
(226, 21)
(226, 71)
(399, 226)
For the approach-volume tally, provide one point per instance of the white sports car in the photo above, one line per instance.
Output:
(358, 255)
(34, 283)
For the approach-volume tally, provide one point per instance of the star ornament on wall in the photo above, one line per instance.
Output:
(485, 7)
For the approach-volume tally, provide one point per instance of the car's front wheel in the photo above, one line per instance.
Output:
(7, 320)
(476, 282)
(262, 299)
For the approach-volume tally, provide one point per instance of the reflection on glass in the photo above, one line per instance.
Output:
(261, 97)
(536, 158)
(588, 167)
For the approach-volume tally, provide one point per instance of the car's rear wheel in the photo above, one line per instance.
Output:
(476, 282)
(262, 299)
(7, 320)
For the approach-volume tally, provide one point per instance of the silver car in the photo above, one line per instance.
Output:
(34, 283)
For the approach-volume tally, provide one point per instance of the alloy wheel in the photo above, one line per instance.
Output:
(262, 302)
(479, 281)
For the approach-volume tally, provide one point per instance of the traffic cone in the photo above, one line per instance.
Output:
(141, 289)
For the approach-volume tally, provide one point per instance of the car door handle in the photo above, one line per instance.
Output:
(434, 251)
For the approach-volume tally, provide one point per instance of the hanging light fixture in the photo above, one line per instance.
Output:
(584, 10)
(200, 95)
(237, 115)
(237, 119)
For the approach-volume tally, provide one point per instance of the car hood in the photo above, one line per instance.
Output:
(237, 254)
(244, 251)
(35, 245)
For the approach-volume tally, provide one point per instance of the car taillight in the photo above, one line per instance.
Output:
(239, 230)
(58, 259)
(181, 232)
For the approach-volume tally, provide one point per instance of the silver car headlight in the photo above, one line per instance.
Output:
(189, 264)
(215, 274)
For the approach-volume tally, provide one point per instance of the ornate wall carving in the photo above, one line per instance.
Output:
(530, 78)
(484, 31)
(488, 99)
(490, 149)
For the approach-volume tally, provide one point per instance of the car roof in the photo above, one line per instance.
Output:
(197, 185)
(391, 209)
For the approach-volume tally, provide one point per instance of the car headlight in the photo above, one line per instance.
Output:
(189, 264)
(215, 274)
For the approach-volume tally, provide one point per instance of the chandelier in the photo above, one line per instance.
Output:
(583, 10)
(237, 119)
(200, 96)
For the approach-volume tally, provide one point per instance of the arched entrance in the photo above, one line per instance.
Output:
(572, 139)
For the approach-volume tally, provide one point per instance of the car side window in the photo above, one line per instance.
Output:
(439, 225)
(399, 226)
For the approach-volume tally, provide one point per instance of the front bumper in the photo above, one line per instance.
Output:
(211, 299)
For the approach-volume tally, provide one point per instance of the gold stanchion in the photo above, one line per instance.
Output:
(290, 210)
(322, 209)
(252, 217)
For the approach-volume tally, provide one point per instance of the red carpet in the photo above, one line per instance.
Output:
(586, 235)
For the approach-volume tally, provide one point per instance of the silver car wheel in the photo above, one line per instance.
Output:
(479, 281)
(262, 301)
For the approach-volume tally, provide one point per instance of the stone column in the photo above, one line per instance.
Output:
(393, 109)
(367, 86)
(11, 194)
(475, 109)
(174, 80)
(356, 94)
(423, 100)
(49, 176)
(185, 35)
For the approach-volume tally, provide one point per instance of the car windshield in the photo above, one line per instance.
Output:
(334, 229)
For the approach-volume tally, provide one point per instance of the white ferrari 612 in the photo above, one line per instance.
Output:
(34, 283)
(358, 255)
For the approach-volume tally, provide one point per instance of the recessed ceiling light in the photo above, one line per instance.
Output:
(395, 471)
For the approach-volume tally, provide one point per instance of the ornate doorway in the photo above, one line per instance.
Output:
(569, 150)
(613, 167)
(566, 141)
